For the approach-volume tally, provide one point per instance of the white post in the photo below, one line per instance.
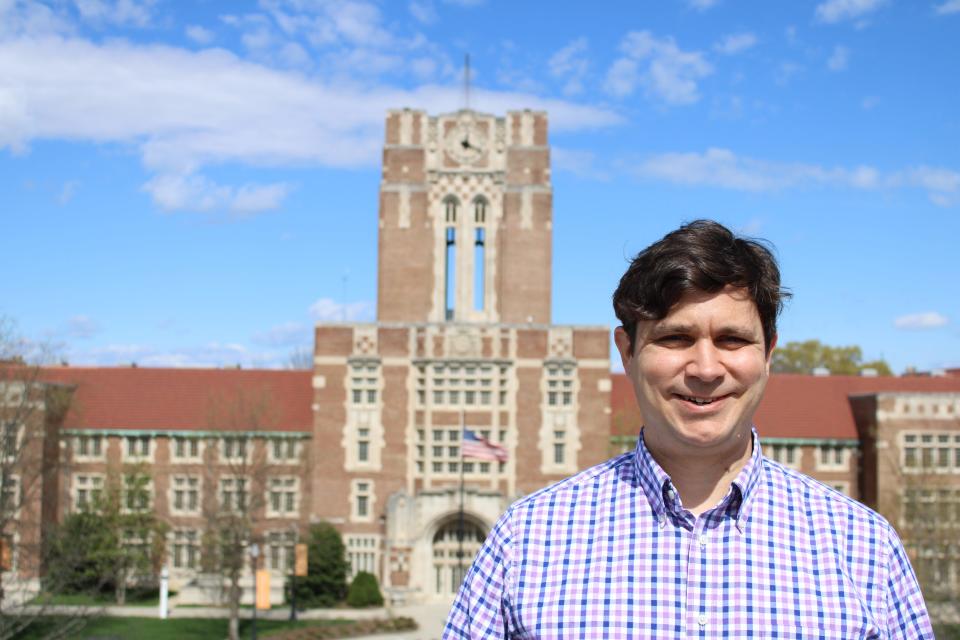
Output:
(164, 580)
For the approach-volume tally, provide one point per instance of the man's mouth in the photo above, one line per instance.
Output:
(701, 401)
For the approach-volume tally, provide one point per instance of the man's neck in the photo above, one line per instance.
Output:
(701, 480)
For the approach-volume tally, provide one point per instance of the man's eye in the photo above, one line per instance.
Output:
(674, 339)
(733, 341)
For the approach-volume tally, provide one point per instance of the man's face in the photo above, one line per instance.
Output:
(699, 373)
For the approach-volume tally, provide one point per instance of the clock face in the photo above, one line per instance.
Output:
(465, 143)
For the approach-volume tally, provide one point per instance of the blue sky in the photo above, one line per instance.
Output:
(195, 183)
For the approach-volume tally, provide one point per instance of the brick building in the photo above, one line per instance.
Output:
(370, 438)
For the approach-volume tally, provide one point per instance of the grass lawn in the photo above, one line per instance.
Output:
(947, 631)
(135, 598)
(172, 629)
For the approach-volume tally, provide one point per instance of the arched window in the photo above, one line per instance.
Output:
(450, 205)
(480, 210)
(450, 270)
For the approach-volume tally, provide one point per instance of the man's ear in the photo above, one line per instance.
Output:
(624, 346)
(773, 345)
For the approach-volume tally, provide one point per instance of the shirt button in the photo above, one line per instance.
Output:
(703, 541)
(702, 619)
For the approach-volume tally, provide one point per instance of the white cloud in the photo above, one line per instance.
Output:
(948, 7)
(724, 169)
(284, 335)
(703, 5)
(786, 71)
(928, 320)
(735, 43)
(833, 11)
(68, 191)
(209, 355)
(578, 162)
(666, 72)
(82, 327)
(423, 11)
(570, 64)
(191, 192)
(190, 109)
(839, 59)
(198, 34)
(117, 12)
(22, 17)
(329, 310)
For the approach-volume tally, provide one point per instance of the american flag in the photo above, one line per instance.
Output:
(478, 447)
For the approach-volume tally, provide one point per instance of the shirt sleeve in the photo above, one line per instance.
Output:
(906, 611)
(481, 608)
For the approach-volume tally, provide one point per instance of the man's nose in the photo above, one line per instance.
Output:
(705, 361)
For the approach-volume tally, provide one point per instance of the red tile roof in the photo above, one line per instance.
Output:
(794, 406)
(173, 399)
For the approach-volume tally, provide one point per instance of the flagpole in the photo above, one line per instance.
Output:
(463, 428)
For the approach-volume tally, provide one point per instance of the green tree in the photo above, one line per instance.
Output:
(804, 357)
(116, 540)
(326, 581)
(364, 591)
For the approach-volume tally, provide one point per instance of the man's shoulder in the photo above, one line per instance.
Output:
(595, 477)
(818, 495)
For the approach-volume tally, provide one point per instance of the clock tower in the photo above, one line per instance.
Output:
(465, 218)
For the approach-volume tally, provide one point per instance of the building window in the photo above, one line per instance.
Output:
(832, 457)
(87, 490)
(235, 448)
(10, 441)
(282, 498)
(137, 491)
(363, 383)
(88, 446)
(185, 494)
(936, 452)
(362, 500)
(450, 272)
(479, 266)
(442, 456)
(785, 454)
(362, 552)
(233, 494)
(185, 449)
(363, 445)
(137, 447)
(559, 385)
(559, 437)
(458, 384)
(280, 550)
(284, 450)
(10, 497)
(450, 205)
(185, 549)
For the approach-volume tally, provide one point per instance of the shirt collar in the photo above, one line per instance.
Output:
(656, 483)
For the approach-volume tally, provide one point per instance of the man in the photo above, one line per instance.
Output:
(695, 533)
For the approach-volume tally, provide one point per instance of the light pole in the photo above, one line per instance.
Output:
(293, 573)
(254, 554)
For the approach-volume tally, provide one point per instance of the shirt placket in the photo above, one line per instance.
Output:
(698, 613)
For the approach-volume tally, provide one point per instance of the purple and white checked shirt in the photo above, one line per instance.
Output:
(611, 553)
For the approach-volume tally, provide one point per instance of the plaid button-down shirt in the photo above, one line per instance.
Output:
(612, 553)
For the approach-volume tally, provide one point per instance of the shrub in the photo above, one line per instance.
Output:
(326, 581)
(364, 591)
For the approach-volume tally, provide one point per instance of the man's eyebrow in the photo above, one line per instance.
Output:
(737, 331)
(663, 328)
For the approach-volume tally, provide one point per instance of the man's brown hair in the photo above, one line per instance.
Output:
(702, 255)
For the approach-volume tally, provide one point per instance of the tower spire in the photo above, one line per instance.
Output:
(466, 81)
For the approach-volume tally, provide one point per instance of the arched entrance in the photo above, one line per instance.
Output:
(449, 565)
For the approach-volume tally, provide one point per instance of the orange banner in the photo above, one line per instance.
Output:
(263, 589)
(300, 563)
